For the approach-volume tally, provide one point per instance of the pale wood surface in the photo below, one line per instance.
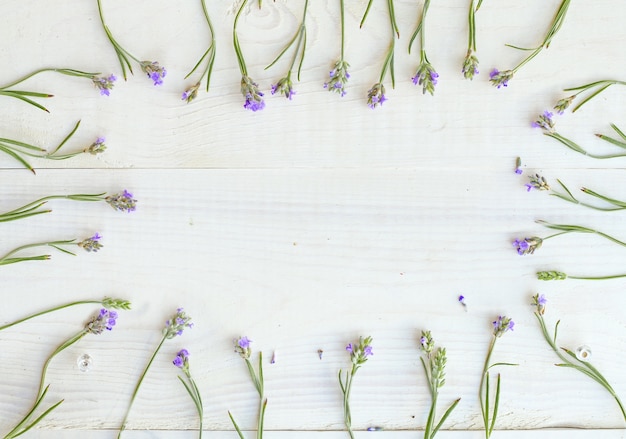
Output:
(313, 222)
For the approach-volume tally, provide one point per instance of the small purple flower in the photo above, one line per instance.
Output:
(122, 201)
(105, 320)
(244, 342)
(154, 71)
(96, 147)
(518, 171)
(426, 76)
(104, 84)
(376, 95)
(242, 347)
(349, 348)
(182, 359)
(191, 93)
(470, 65)
(544, 121)
(367, 351)
(285, 87)
(528, 187)
(252, 94)
(91, 244)
(502, 325)
(500, 79)
(527, 246)
(338, 78)
(177, 324)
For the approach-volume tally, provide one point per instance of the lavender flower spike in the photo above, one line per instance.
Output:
(177, 324)
(284, 87)
(91, 244)
(104, 84)
(122, 201)
(105, 320)
(338, 78)
(501, 79)
(376, 95)
(502, 325)
(154, 71)
(97, 147)
(191, 93)
(242, 347)
(527, 246)
(426, 76)
(545, 122)
(182, 359)
(252, 94)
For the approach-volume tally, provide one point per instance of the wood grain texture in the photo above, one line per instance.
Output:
(312, 222)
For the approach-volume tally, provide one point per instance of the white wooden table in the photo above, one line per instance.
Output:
(313, 221)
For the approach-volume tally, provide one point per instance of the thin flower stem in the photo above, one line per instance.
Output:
(615, 276)
(582, 366)
(574, 146)
(56, 308)
(300, 39)
(7, 259)
(122, 54)
(343, 25)
(15, 432)
(603, 85)
(240, 58)
(141, 378)
(471, 45)
(389, 60)
(567, 228)
(569, 197)
(63, 71)
(484, 400)
(555, 27)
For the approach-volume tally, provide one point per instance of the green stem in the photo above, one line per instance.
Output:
(389, 59)
(240, 59)
(141, 378)
(343, 25)
(471, 45)
(56, 308)
(6, 259)
(42, 389)
(484, 407)
(615, 276)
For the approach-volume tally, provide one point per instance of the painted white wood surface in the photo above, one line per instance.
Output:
(314, 221)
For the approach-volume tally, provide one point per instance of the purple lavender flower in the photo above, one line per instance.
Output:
(104, 84)
(242, 347)
(285, 87)
(105, 320)
(154, 71)
(177, 324)
(91, 244)
(252, 94)
(527, 246)
(426, 76)
(338, 78)
(97, 147)
(376, 95)
(563, 104)
(502, 325)
(470, 65)
(359, 353)
(518, 171)
(544, 121)
(191, 93)
(122, 201)
(537, 182)
(501, 79)
(540, 302)
(182, 359)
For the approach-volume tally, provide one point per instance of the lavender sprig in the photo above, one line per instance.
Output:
(106, 302)
(285, 86)
(376, 94)
(249, 89)
(359, 354)
(599, 86)
(613, 204)
(182, 362)
(101, 83)
(546, 123)
(426, 76)
(470, 64)
(500, 79)
(173, 327)
(501, 325)
(339, 75)
(570, 360)
(104, 320)
(151, 68)
(121, 201)
(559, 275)
(20, 150)
(192, 92)
(91, 244)
(242, 347)
(434, 363)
